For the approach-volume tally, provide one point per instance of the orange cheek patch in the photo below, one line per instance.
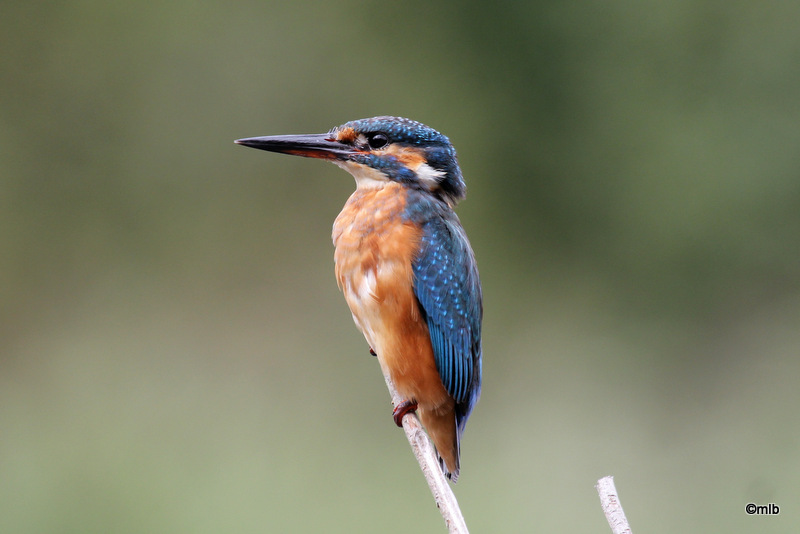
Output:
(412, 158)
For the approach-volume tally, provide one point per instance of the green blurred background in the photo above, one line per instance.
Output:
(174, 353)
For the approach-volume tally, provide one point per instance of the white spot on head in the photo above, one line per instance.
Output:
(429, 176)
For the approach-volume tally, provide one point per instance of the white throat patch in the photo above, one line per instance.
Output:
(366, 177)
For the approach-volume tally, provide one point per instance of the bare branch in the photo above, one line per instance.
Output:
(611, 506)
(425, 453)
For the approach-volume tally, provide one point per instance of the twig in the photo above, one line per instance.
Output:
(611, 506)
(429, 463)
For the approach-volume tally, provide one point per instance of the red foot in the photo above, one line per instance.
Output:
(401, 410)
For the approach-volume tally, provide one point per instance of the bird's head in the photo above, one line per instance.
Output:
(380, 150)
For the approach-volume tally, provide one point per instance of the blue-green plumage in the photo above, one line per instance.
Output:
(399, 130)
(447, 286)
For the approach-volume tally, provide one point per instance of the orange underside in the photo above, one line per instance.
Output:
(374, 253)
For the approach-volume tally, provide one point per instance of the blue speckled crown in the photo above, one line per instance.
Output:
(399, 130)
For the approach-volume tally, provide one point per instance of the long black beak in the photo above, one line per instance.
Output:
(319, 146)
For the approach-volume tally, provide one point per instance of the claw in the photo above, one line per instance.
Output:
(372, 352)
(401, 410)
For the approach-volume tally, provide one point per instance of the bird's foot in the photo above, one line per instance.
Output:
(401, 410)
(372, 352)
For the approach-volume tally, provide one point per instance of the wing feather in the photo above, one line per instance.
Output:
(448, 289)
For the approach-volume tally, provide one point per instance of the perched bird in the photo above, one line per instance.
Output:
(405, 266)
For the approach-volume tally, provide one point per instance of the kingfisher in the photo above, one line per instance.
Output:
(406, 267)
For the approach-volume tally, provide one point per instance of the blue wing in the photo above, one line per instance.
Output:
(447, 286)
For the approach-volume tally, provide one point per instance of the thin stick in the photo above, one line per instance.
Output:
(611, 506)
(429, 463)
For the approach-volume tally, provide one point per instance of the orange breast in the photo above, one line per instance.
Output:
(374, 253)
(375, 249)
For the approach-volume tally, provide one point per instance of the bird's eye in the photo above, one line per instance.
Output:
(377, 140)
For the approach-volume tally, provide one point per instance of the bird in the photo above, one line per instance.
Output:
(405, 266)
